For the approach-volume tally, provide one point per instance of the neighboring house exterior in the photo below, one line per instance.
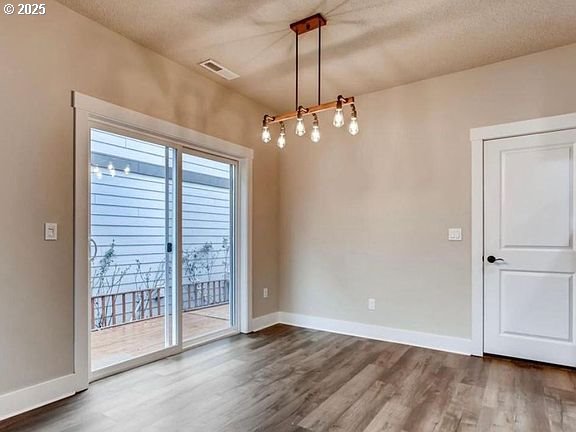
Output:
(129, 220)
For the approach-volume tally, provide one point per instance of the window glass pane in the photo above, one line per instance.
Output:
(131, 226)
(207, 260)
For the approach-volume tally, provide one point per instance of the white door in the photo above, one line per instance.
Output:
(529, 247)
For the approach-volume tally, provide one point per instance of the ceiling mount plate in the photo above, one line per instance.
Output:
(308, 24)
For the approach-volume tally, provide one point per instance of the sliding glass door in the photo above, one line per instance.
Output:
(162, 238)
(132, 238)
(208, 244)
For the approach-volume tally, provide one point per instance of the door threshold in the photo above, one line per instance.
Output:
(210, 337)
(160, 355)
(132, 363)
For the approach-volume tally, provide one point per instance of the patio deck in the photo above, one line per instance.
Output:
(115, 344)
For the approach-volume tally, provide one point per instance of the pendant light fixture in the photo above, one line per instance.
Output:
(301, 27)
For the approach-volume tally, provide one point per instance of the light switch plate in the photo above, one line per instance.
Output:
(50, 231)
(455, 234)
(265, 293)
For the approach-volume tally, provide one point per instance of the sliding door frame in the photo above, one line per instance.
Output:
(172, 311)
(95, 113)
(235, 318)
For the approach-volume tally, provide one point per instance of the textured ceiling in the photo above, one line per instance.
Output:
(368, 45)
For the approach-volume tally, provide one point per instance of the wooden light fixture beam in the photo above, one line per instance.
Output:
(327, 106)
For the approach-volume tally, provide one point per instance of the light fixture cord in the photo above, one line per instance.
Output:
(297, 69)
(319, 60)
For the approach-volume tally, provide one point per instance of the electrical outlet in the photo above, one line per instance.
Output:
(455, 234)
(371, 304)
(265, 293)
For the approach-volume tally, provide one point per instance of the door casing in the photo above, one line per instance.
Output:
(479, 138)
(90, 112)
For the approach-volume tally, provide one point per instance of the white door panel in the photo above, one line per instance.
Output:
(535, 180)
(536, 304)
(529, 223)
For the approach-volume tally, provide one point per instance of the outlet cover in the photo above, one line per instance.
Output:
(371, 304)
(455, 234)
(265, 292)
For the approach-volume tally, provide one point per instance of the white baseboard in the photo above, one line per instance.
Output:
(370, 331)
(261, 322)
(29, 398)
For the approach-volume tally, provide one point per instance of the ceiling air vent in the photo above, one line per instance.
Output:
(218, 69)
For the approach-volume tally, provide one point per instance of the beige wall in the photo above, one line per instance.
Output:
(42, 59)
(368, 216)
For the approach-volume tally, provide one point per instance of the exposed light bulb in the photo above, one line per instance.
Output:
(300, 128)
(266, 137)
(281, 141)
(315, 134)
(282, 137)
(338, 115)
(111, 169)
(338, 118)
(99, 175)
(353, 128)
(127, 170)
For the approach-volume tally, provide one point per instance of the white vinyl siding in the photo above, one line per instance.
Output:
(129, 209)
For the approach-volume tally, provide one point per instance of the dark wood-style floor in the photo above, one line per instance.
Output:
(290, 379)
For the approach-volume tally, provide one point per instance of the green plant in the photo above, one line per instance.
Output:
(207, 256)
(201, 261)
(107, 280)
(191, 265)
(104, 282)
(149, 279)
(226, 261)
(98, 280)
(145, 280)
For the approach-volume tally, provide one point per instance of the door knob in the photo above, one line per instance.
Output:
(492, 259)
